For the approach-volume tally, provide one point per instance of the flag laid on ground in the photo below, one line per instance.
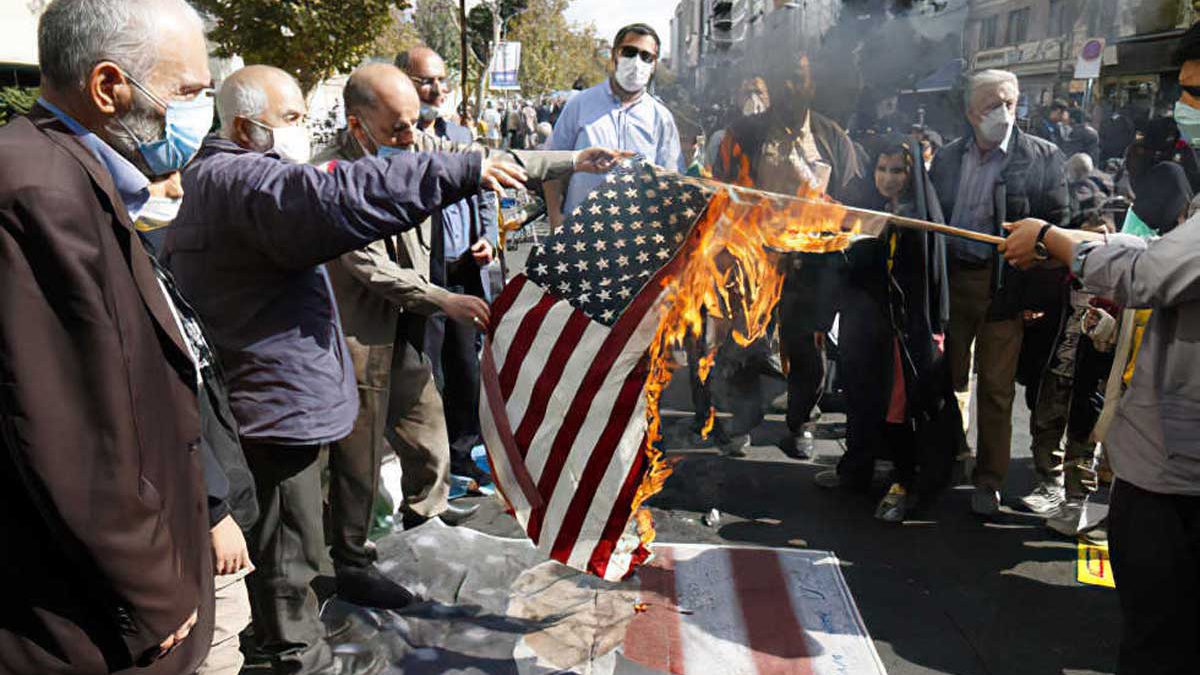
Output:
(564, 368)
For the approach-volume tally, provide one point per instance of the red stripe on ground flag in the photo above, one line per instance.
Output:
(491, 389)
(502, 304)
(548, 379)
(618, 518)
(598, 462)
(773, 634)
(653, 638)
(522, 341)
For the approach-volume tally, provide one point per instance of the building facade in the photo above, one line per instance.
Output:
(1040, 40)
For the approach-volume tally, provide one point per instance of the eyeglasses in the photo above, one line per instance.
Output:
(1192, 89)
(629, 51)
(438, 82)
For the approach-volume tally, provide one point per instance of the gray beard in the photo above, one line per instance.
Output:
(142, 124)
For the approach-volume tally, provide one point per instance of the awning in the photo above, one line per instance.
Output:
(1145, 54)
(943, 79)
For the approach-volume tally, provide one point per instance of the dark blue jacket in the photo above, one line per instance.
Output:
(475, 215)
(247, 251)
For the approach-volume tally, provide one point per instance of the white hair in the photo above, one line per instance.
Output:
(1079, 166)
(988, 79)
(75, 35)
(239, 97)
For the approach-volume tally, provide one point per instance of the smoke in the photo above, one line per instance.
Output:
(861, 51)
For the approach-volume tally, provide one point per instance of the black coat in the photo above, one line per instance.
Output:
(1032, 184)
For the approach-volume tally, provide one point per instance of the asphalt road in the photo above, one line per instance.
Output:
(945, 593)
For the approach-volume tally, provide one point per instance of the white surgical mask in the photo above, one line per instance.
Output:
(633, 74)
(997, 124)
(291, 143)
(1187, 119)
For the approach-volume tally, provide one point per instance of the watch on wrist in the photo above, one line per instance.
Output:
(1039, 247)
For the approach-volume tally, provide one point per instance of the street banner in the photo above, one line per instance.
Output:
(1087, 65)
(506, 66)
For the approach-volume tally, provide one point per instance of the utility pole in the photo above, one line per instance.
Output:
(462, 19)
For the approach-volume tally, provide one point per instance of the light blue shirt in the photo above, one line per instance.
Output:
(596, 118)
(131, 184)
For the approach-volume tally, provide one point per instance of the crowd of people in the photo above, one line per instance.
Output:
(193, 325)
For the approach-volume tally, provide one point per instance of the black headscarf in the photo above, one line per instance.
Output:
(1163, 195)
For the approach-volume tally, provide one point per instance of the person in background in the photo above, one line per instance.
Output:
(996, 174)
(107, 530)
(544, 131)
(931, 144)
(491, 117)
(1053, 119)
(463, 244)
(751, 98)
(529, 120)
(1154, 514)
(895, 307)
(1080, 137)
(618, 113)
(247, 250)
(788, 149)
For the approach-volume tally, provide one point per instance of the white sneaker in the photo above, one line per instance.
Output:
(1068, 519)
(985, 502)
(1045, 498)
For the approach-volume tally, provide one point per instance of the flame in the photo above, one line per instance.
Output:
(732, 268)
(708, 423)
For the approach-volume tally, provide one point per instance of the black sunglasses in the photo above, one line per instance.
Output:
(629, 51)
(1192, 89)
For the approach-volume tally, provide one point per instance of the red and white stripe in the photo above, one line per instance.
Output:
(563, 420)
(751, 611)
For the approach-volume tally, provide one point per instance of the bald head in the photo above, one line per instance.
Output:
(382, 107)
(264, 94)
(428, 73)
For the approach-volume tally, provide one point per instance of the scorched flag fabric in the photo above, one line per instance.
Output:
(564, 368)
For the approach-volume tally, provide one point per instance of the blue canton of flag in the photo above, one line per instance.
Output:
(612, 244)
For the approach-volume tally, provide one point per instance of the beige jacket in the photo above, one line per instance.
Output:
(374, 284)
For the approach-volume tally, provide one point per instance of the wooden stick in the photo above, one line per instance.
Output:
(902, 221)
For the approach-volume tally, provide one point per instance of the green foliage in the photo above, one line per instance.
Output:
(311, 39)
(16, 101)
(553, 54)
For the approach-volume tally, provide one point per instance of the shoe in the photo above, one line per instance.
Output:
(798, 446)
(985, 501)
(452, 516)
(894, 505)
(828, 479)
(470, 469)
(1045, 498)
(736, 446)
(1067, 520)
(368, 587)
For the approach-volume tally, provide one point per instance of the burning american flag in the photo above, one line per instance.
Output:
(578, 349)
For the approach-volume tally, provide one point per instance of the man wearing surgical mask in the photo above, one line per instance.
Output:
(618, 113)
(994, 175)
(385, 299)
(105, 517)
(462, 248)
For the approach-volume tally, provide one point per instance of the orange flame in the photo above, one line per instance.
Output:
(731, 266)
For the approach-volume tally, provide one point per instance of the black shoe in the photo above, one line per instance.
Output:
(452, 516)
(469, 469)
(797, 446)
(368, 587)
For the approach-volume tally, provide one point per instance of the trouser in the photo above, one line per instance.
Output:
(805, 352)
(1074, 466)
(397, 398)
(231, 616)
(696, 347)
(1154, 541)
(287, 546)
(997, 350)
(453, 349)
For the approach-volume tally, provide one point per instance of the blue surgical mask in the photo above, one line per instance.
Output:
(186, 124)
(383, 151)
(1187, 119)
